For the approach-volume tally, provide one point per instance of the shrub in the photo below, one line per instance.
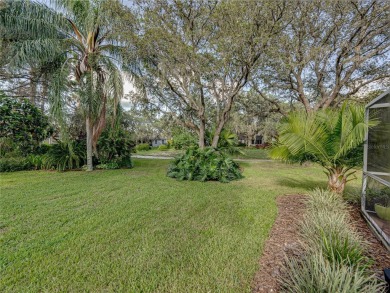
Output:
(14, 164)
(142, 147)
(36, 161)
(24, 123)
(315, 273)
(115, 147)
(204, 165)
(163, 147)
(62, 156)
(184, 140)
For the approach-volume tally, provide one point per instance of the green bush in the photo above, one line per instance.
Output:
(204, 165)
(63, 156)
(315, 273)
(14, 164)
(36, 161)
(142, 147)
(23, 123)
(184, 140)
(115, 148)
(163, 147)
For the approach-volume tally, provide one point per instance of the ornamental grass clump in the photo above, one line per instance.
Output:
(333, 258)
(316, 273)
(204, 165)
(327, 228)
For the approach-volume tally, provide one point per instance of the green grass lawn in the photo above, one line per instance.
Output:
(247, 153)
(139, 231)
(158, 153)
(252, 153)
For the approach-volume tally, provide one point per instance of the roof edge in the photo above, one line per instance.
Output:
(377, 98)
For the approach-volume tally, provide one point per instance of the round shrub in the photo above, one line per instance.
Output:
(204, 165)
(142, 147)
(163, 147)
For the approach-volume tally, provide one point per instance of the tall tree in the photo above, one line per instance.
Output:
(82, 35)
(329, 51)
(200, 54)
(255, 114)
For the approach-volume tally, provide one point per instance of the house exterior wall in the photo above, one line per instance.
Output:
(158, 142)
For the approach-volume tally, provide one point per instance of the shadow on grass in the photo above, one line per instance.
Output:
(303, 183)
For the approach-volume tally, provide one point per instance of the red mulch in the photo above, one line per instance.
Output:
(284, 240)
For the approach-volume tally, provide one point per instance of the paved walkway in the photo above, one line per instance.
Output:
(171, 158)
(151, 157)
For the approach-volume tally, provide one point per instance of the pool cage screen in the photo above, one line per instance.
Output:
(376, 169)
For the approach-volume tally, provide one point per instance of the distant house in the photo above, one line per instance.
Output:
(158, 141)
(254, 140)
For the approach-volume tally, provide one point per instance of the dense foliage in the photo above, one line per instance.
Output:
(77, 40)
(62, 156)
(142, 147)
(204, 165)
(23, 123)
(14, 164)
(114, 148)
(334, 258)
(184, 140)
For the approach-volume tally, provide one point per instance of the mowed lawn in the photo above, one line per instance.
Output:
(139, 231)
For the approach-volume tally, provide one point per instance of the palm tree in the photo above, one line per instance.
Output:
(80, 34)
(331, 138)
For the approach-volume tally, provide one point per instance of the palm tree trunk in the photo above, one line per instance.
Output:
(89, 129)
(336, 180)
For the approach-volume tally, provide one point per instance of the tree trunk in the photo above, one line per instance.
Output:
(202, 132)
(33, 87)
(44, 93)
(89, 129)
(336, 180)
(217, 133)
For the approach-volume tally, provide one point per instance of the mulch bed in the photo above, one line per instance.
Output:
(284, 240)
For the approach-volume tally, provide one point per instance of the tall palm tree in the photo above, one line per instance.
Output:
(331, 138)
(81, 35)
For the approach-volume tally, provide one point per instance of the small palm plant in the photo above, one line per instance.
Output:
(331, 138)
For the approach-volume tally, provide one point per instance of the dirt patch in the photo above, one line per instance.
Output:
(376, 250)
(283, 239)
